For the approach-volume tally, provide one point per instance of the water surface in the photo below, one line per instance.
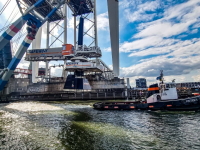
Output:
(77, 126)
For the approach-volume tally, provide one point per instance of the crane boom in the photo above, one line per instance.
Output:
(33, 25)
(17, 25)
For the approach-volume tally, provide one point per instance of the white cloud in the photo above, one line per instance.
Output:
(172, 66)
(171, 47)
(196, 78)
(186, 14)
(111, 67)
(70, 23)
(176, 57)
(137, 16)
(107, 49)
(129, 3)
(140, 44)
(182, 36)
(194, 31)
(166, 29)
(181, 59)
(102, 21)
(197, 24)
(179, 10)
(139, 13)
(23, 64)
(57, 72)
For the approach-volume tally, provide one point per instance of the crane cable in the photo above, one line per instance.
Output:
(7, 26)
(10, 16)
(17, 39)
(5, 6)
(4, 28)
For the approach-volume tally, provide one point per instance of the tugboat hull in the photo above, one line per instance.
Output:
(187, 104)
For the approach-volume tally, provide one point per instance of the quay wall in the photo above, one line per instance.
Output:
(22, 89)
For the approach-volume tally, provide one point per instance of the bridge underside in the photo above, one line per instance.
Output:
(79, 8)
(44, 9)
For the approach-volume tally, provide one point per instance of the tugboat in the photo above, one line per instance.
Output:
(162, 96)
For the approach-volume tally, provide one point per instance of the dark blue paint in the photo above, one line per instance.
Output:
(30, 17)
(13, 64)
(52, 12)
(38, 3)
(7, 55)
(80, 31)
(2, 84)
(25, 44)
(7, 36)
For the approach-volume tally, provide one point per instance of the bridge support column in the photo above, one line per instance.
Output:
(46, 70)
(47, 46)
(65, 41)
(113, 14)
(36, 45)
(75, 32)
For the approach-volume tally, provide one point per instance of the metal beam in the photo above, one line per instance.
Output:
(95, 23)
(113, 14)
(47, 46)
(27, 41)
(74, 32)
(65, 24)
(36, 44)
(65, 39)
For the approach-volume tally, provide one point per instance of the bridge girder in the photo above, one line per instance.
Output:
(113, 14)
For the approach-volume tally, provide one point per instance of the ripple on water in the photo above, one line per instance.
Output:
(65, 125)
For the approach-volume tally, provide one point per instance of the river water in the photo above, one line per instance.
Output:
(77, 126)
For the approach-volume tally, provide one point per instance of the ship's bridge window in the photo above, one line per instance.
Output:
(149, 93)
(171, 85)
(64, 47)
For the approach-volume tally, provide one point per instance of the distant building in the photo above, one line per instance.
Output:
(188, 85)
(141, 83)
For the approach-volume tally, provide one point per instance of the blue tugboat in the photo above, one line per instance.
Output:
(162, 96)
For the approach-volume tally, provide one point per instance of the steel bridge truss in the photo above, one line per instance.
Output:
(91, 31)
(42, 11)
(80, 7)
(50, 30)
(34, 22)
(107, 73)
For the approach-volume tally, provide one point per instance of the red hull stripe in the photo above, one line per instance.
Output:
(153, 89)
(30, 38)
(14, 29)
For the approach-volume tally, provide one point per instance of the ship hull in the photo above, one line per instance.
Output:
(187, 104)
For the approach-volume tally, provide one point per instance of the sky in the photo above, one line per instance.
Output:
(154, 35)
